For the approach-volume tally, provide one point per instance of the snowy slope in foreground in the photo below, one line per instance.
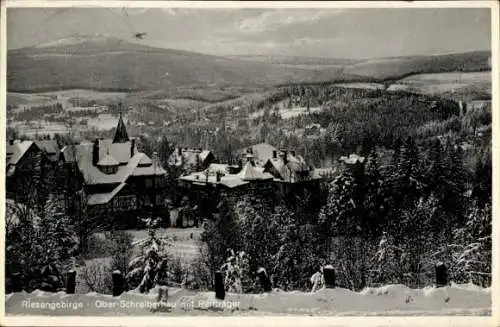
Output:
(388, 300)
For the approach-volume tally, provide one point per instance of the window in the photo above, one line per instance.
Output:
(100, 209)
(94, 210)
(109, 169)
(160, 182)
(148, 182)
(125, 202)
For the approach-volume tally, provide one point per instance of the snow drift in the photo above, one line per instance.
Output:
(391, 300)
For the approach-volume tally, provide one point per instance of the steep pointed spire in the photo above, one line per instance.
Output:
(121, 135)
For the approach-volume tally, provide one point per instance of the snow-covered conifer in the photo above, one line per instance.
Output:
(150, 267)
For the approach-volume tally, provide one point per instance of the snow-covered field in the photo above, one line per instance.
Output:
(391, 300)
(287, 113)
(183, 246)
(104, 121)
(40, 128)
(443, 82)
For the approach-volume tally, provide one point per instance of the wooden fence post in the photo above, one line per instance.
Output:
(163, 294)
(264, 280)
(220, 291)
(441, 274)
(70, 282)
(16, 282)
(118, 283)
(329, 276)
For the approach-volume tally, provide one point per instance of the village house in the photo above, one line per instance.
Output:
(352, 160)
(262, 172)
(26, 162)
(118, 180)
(232, 182)
(353, 163)
(191, 160)
(22, 161)
(261, 153)
(286, 166)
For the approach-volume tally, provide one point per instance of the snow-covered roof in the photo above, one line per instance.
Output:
(108, 160)
(200, 178)
(49, 146)
(120, 151)
(17, 151)
(288, 171)
(183, 156)
(249, 173)
(352, 159)
(82, 154)
(145, 161)
(149, 170)
(261, 152)
(204, 154)
(102, 198)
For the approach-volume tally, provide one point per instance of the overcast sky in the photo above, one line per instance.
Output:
(337, 33)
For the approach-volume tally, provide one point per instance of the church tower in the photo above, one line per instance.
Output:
(121, 135)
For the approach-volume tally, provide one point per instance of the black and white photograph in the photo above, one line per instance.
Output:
(245, 160)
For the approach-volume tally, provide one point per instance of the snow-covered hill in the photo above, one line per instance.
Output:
(78, 39)
(391, 300)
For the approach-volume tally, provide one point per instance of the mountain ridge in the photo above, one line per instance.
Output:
(108, 63)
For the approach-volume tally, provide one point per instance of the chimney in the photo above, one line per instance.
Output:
(284, 156)
(95, 152)
(218, 176)
(275, 154)
(132, 147)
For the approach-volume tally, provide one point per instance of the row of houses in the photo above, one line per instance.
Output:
(262, 172)
(117, 180)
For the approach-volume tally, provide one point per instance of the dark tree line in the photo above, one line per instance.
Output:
(380, 223)
(37, 112)
(419, 201)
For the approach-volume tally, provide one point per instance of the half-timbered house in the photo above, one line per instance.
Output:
(118, 180)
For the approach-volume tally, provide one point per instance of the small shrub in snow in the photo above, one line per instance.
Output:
(317, 281)
(97, 247)
(95, 277)
(120, 250)
(233, 272)
(197, 275)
